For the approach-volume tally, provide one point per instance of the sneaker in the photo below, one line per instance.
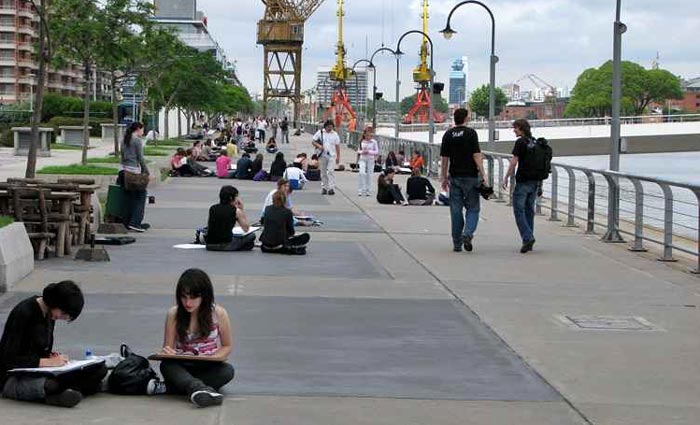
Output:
(156, 387)
(457, 248)
(331, 192)
(527, 246)
(324, 192)
(145, 226)
(136, 228)
(68, 398)
(360, 194)
(206, 398)
(467, 241)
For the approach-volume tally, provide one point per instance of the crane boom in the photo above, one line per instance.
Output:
(421, 74)
(340, 72)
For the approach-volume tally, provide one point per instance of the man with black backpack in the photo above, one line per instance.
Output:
(532, 157)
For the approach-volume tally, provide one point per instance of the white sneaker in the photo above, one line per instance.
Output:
(206, 398)
(155, 387)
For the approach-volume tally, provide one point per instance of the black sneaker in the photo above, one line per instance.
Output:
(206, 398)
(145, 226)
(68, 398)
(467, 241)
(457, 248)
(331, 192)
(527, 246)
(324, 192)
(138, 229)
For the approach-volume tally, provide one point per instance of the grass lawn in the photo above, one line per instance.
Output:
(110, 159)
(170, 142)
(79, 170)
(157, 151)
(62, 147)
(5, 220)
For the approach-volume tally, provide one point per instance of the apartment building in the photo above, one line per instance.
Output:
(19, 29)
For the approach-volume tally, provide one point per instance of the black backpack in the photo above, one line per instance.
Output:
(537, 164)
(131, 375)
(239, 129)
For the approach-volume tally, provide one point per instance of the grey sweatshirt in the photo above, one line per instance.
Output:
(132, 156)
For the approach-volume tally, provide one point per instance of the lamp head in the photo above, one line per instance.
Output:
(371, 65)
(398, 52)
(448, 32)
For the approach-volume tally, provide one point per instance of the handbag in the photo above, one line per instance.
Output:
(135, 181)
(131, 375)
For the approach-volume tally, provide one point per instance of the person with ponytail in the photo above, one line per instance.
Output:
(27, 342)
(132, 161)
(198, 327)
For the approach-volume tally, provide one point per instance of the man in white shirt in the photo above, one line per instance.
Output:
(327, 142)
(295, 176)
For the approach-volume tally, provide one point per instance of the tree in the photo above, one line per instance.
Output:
(592, 94)
(126, 21)
(76, 34)
(479, 101)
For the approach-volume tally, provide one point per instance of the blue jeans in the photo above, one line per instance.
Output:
(136, 205)
(464, 193)
(524, 196)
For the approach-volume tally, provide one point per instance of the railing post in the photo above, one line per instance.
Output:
(554, 214)
(590, 217)
(668, 223)
(489, 161)
(571, 207)
(500, 180)
(511, 189)
(696, 270)
(612, 234)
(638, 244)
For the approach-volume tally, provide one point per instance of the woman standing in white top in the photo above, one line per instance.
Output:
(369, 149)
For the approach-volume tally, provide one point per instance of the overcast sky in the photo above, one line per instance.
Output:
(554, 39)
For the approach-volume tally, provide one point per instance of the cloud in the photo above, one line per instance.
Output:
(554, 39)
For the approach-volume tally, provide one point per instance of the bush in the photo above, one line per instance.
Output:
(56, 105)
(6, 220)
(56, 122)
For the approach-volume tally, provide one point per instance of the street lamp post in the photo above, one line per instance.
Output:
(357, 89)
(374, 83)
(613, 234)
(448, 32)
(431, 119)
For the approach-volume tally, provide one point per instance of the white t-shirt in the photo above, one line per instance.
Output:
(294, 173)
(268, 201)
(330, 141)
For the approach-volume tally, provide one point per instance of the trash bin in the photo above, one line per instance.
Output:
(116, 204)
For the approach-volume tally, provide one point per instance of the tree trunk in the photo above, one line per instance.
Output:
(30, 171)
(189, 122)
(166, 123)
(86, 112)
(179, 123)
(115, 114)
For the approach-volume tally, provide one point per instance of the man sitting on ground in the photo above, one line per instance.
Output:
(295, 176)
(244, 167)
(419, 189)
(222, 219)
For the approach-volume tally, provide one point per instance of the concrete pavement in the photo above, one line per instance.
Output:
(381, 323)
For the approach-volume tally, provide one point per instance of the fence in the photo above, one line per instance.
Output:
(652, 210)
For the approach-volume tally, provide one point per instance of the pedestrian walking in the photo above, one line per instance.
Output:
(274, 124)
(369, 149)
(532, 159)
(327, 143)
(284, 128)
(462, 157)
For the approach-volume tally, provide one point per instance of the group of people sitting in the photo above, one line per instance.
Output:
(278, 235)
(419, 190)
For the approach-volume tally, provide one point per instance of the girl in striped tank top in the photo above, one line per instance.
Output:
(197, 327)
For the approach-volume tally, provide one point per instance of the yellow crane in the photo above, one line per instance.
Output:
(281, 32)
(340, 109)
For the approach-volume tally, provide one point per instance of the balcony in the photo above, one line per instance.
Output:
(27, 29)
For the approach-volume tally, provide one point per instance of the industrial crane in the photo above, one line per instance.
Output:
(340, 109)
(549, 93)
(420, 110)
(281, 32)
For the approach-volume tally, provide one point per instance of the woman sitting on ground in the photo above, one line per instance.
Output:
(278, 229)
(257, 165)
(419, 189)
(223, 218)
(417, 161)
(392, 162)
(197, 168)
(278, 166)
(180, 165)
(27, 342)
(232, 150)
(223, 166)
(197, 154)
(271, 146)
(387, 191)
(196, 326)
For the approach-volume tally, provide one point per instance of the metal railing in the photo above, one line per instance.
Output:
(653, 210)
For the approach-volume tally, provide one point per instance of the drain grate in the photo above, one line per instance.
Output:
(608, 323)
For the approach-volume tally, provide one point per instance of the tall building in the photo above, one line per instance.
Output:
(356, 88)
(190, 26)
(19, 30)
(459, 92)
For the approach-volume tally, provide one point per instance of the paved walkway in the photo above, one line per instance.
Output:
(381, 323)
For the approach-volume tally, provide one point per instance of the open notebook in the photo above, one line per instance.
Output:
(57, 370)
(237, 231)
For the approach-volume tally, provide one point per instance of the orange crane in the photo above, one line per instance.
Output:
(419, 112)
(340, 109)
(281, 32)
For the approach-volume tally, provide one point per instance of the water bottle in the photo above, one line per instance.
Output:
(88, 354)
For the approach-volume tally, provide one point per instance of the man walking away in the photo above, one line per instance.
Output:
(462, 157)
(284, 127)
(532, 158)
(327, 142)
(274, 124)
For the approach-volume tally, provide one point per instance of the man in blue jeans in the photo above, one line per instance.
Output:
(462, 157)
(526, 187)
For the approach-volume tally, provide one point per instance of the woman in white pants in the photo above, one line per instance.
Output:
(369, 149)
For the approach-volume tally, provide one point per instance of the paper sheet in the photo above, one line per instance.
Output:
(189, 246)
(71, 365)
(238, 231)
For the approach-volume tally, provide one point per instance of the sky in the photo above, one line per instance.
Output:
(553, 39)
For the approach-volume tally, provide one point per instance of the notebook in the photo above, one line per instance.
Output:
(57, 370)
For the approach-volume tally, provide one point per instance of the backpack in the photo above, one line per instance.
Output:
(239, 130)
(131, 375)
(536, 165)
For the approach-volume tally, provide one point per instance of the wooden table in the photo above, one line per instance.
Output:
(65, 203)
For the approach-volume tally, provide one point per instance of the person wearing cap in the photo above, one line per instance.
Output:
(27, 342)
(327, 144)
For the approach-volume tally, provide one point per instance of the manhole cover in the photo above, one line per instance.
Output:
(613, 323)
